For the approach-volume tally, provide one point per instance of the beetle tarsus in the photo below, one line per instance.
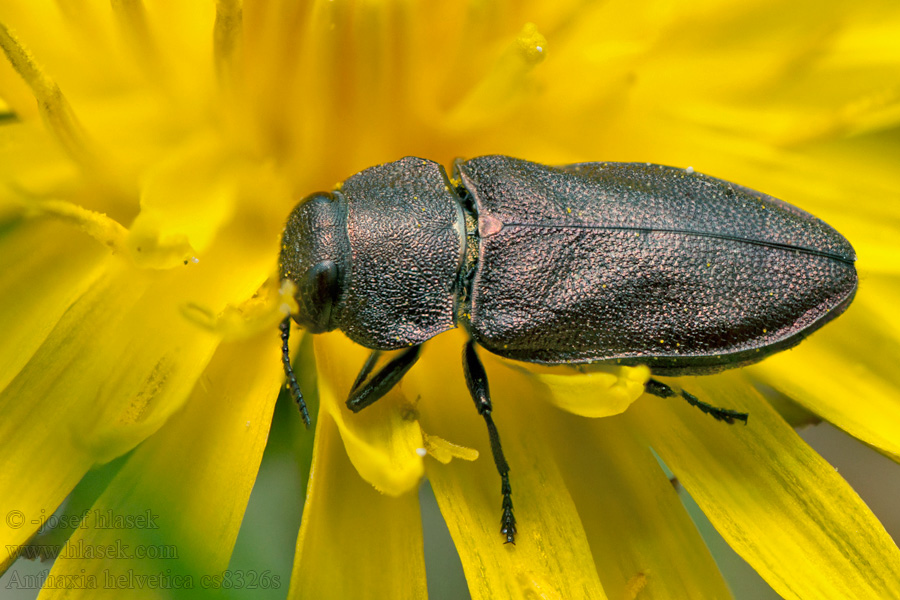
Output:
(285, 327)
(508, 519)
(719, 414)
(476, 379)
(365, 392)
(661, 390)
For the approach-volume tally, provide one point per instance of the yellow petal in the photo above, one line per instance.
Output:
(31, 163)
(184, 203)
(551, 558)
(589, 391)
(49, 29)
(355, 542)
(108, 396)
(188, 484)
(130, 360)
(504, 85)
(847, 374)
(383, 439)
(639, 531)
(773, 499)
(50, 265)
(114, 392)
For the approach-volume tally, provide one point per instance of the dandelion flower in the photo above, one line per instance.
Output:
(151, 153)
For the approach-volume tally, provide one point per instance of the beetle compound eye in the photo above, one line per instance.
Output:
(322, 288)
(322, 198)
(314, 256)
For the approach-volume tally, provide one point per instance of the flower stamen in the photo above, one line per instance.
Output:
(52, 104)
(227, 38)
(99, 226)
(855, 117)
(132, 19)
(504, 84)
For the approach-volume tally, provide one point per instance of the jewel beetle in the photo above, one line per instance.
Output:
(630, 263)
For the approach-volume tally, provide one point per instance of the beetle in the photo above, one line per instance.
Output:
(630, 263)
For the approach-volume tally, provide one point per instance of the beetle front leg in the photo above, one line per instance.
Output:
(365, 392)
(661, 390)
(365, 371)
(476, 379)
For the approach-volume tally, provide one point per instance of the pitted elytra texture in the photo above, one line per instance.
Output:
(645, 264)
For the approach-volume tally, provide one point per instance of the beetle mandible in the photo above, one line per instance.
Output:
(630, 263)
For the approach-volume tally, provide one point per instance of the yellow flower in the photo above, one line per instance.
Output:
(149, 155)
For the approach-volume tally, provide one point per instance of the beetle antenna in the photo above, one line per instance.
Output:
(476, 379)
(285, 327)
(661, 390)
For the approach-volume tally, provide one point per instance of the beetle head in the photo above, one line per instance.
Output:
(314, 251)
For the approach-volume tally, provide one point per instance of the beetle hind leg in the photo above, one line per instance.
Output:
(366, 391)
(476, 379)
(661, 390)
(720, 414)
(285, 327)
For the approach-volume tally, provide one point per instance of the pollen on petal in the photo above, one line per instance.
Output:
(444, 451)
(635, 585)
(287, 294)
(531, 44)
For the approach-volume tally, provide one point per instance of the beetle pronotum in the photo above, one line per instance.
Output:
(629, 263)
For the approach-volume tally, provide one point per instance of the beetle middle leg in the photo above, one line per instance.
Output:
(366, 391)
(661, 390)
(476, 379)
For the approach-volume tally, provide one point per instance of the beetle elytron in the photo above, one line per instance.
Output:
(629, 263)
